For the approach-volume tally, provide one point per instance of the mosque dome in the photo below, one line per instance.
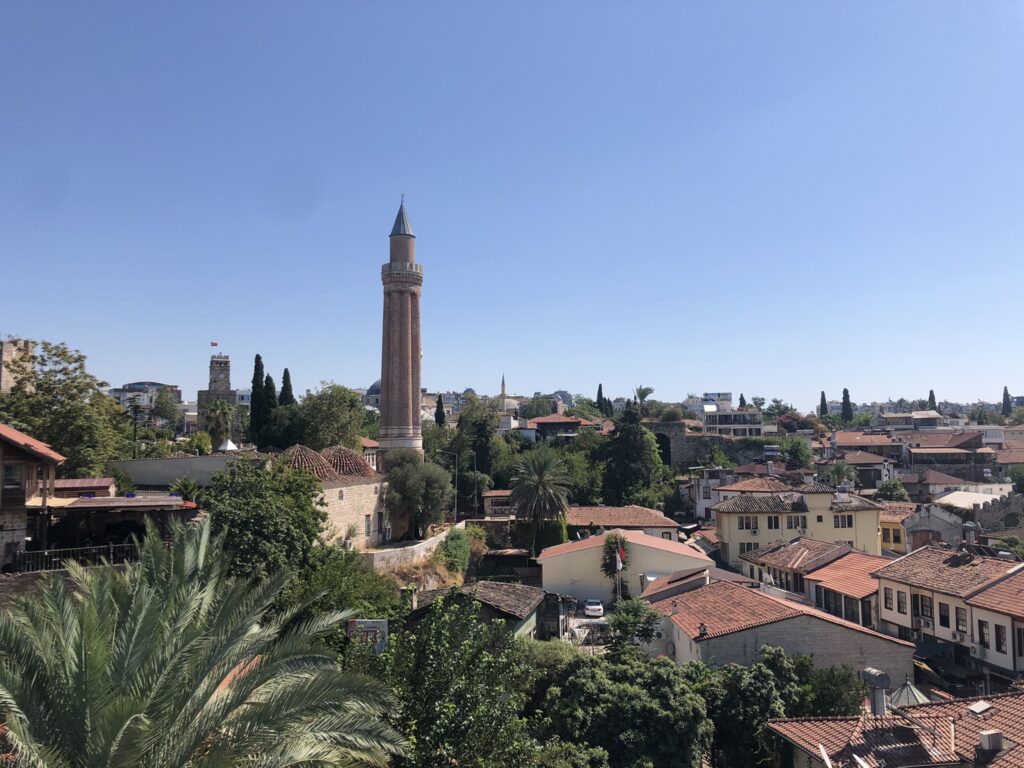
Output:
(301, 457)
(374, 389)
(347, 462)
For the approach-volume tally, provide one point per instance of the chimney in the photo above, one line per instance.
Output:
(878, 683)
(703, 631)
(990, 744)
(771, 467)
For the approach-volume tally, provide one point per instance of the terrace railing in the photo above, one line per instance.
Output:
(56, 559)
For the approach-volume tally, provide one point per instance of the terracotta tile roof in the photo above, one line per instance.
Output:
(1006, 533)
(37, 448)
(724, 608)
(301, 457)
(500, 493)
(368, 442)
(1010, 456)
(631, 516)
(854, 503)
(1006, 596)
(859, 458)
(517, 600)
(708, 534)
(942, 570)
(794, 555)
(82, 483)
(897, 511)
(346, 462)
(925, 740)
(855, 439)
(930, 477)
(779, 469)
(850, 574)
(558, 418)
(638, 538)
(815, 487)
(663, 583)
(133, 502)
(755, 504)
(757, 485)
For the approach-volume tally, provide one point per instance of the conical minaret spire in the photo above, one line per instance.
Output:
(400, 348)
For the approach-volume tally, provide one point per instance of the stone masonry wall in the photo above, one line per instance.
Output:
(349, 504)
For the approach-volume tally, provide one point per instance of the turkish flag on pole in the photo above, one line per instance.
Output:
(620, 558)
(214, 343)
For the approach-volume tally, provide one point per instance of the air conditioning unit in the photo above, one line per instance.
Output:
(387, 533)
(801, 531)
(958, 636)
(753, 531)
(921, 621)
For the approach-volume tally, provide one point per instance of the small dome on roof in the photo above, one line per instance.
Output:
(374, 389)
(301, 457)
(347, 462)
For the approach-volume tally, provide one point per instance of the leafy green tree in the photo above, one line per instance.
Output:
(796, 450)
(633, 464)
(671, 414)
(837, 473)
(740, 703)
(979, 414)
(931, 400)
(1007, 403)
(556, 753)
(535, 407)
(418, 492)
(165, 408)
(718, 458)
(641, 712)
(603, 404)
(439, 415)
(632, 623)
(187, 488)
(847, 408)
(197, 444)
(287, 396)
(758, 402)
(56, 400)
(743, 401)
(1016, 476)
(274, 514)
(219, 418)
(333, 415)
(823, 405)
(1016, 417)
(892, 490)
(540, 490)
(454, 551)
(610, 561)
(256, 409)
(172, 663)
(585, 477)
(457, 680)
(287, 427)
(477, 427)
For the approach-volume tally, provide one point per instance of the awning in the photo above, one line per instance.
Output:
(54, 502)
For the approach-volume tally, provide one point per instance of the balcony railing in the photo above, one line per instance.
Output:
(55, 559)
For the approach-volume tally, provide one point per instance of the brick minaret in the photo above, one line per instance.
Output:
(400, 355)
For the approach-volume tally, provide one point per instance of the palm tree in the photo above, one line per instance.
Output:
(642, 393)
(838, 473)
(171, 663)
(540, 490)
(219, 417)
(187, 488)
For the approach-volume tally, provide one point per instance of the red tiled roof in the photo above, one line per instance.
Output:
(858, 458)
(37, 448)
(632, 516)
(557, 418)
(724, 608)
(346, 462)
(82, 483)
(1010, 456)
(369, 443)
(793, 555)
(708, 534)
(924, 740)
(715, 574)
(942, 570)
(850, 574)
(639, 538)
(757, 485)
(301, 457)
(859, 438)
(1006, 596)
(896, 511)
(930, 477)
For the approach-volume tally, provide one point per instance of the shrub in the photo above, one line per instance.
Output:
(454, 551)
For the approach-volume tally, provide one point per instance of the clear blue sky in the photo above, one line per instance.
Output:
(772, 198)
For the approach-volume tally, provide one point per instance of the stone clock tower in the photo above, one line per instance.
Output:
(219, 388)
(400, 353)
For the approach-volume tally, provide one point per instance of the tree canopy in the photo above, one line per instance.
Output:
(892, 490)
(419, 492)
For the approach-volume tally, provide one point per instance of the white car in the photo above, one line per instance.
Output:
(593, 609)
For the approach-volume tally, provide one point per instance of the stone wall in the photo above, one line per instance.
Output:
(357, 505)
(689, 449)
(166, 472)
(404, 553)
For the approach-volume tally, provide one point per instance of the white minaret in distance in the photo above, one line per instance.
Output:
(400, 353)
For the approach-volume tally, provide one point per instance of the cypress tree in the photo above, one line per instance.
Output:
(847, 412)
(269, 398)
(600, 399)
(256, 399)
(1007, 405)
(931, 400)
(439, 417)
(286, 397)
(743, 401)
(823, 406)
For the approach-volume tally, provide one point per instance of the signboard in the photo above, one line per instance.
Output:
(373, 632)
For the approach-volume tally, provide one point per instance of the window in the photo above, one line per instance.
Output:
(747, 522)
(12, 476)
(366, 524)
(796, 521)
(707, 491)
(842, 521)
(666, 535)
(901, 602)
(773, 522)
(961, 620)
(983, 635)
(1020, 641)
(885, 535)
(341, 495)
(927, 610)
(887, 595)
(896, 538)
(865, 613)
(747, 546)
(821, 519)
(1000, 638)
(944, 615)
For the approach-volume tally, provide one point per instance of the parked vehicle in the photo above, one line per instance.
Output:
(593, 609)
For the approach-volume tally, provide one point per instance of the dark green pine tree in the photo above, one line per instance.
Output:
(931, 400)
(847, 412)
(600, 399)
(256, 400)
(269, 398)
(287, 397)
(1007, 405)
(823, 406)
(439, 417)
(743, 401)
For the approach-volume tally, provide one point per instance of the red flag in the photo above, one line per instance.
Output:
(622, 553)
(214, 343)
